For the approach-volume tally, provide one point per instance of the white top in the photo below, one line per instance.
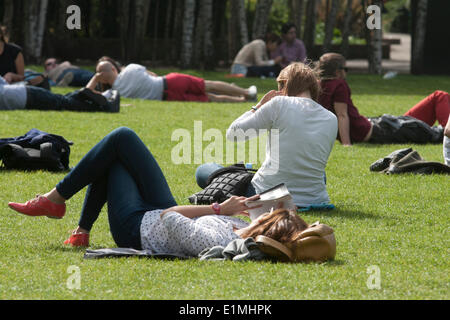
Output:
(135, 82)
(447, 150)
(177, 234)
(12, 96)
(298, 153)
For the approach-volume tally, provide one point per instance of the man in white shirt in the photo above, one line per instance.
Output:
(135, 81)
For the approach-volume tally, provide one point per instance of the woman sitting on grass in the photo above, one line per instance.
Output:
(142, 212)
(301, 136)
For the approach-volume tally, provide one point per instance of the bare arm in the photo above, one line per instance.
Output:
(92, 85)
(152, 73)
(20, 65)
(232, 206)
(343, 123)
(447, 128)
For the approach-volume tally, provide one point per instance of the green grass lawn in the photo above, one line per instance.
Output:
(397, 223)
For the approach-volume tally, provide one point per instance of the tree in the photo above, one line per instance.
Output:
(329, 26)
(309, 36)
(346, 28)
(262, 12)
(237, 27)
(203, 46)
(375, 43)
(296, 14)
(35, 13)
(417, 59)
(8, 14)
(188, 33)
(133, 25)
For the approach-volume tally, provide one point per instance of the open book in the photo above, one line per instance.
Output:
(270, 200)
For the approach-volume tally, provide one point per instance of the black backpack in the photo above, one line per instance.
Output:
(36, 150)
(223, 184)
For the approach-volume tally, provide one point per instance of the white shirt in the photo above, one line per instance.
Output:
(134, 82)
(177, 234)
(447, 150)
(12, 96)
(298, 156)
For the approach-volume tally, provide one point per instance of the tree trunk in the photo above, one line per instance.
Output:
(167, 31)
(375, 45)
(188, 33)
(175, 50)
(35, 13)
(133, 25)
(262, 12)
(296, 14)
(8, 15)
(346, 28)
(237, 26)
(203, 47)
(329, 26)
(309, 36)
(417, 60)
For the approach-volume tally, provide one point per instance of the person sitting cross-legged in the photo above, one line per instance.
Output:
(135, 81)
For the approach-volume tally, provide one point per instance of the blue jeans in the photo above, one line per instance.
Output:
(204, 171)
(81, 77)
(121, 172)
(41, 99)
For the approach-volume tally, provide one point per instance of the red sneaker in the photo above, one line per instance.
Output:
(40, 206)
(78, 240)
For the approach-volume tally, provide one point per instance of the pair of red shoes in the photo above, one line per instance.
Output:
(41, 206)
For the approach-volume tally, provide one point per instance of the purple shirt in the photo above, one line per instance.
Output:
(290, 53)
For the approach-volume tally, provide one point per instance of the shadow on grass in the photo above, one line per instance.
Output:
(341, 213)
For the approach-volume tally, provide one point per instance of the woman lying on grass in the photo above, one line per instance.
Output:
(142, 212)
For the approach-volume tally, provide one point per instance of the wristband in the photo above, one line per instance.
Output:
(216, 207)
(254, 108)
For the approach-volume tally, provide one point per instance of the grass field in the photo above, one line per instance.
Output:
(398, 223)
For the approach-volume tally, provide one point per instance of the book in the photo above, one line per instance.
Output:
(271, 200)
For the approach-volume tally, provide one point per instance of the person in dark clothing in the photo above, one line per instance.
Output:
(12, 64)
(417, 122)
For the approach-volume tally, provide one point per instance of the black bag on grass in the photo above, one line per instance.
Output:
(223, 184)
(36, 150)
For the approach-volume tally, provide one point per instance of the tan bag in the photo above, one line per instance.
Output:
(317, 244)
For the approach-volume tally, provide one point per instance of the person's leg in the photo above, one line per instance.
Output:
(435, 107)
(41, 99)
(226, 89)
(223, 98)
(81, 77)
(124, 146)
(126, 207)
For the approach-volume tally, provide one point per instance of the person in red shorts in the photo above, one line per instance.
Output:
(353, 127)
(135, 81)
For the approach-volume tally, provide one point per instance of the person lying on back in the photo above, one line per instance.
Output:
(66, 74)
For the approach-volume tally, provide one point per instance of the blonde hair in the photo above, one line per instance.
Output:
(297, 78)
(281, 225)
